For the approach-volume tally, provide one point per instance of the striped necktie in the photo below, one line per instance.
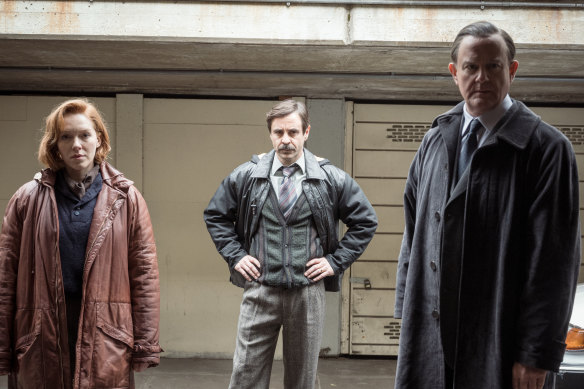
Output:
(287, 190)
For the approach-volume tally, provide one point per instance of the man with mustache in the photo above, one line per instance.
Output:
(274, 220)
(491, 249)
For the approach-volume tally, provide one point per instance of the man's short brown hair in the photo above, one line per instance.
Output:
(482, 30)
(285, 108)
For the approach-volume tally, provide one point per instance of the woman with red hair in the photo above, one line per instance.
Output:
(79, 289)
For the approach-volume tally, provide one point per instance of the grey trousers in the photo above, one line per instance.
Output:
(264, 309)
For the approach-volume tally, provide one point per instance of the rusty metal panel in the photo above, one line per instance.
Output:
(372, 302)
(380, 274)
(385, 140)
(375, 331)
(384, 164)
(378, 349)
(383, 247)
(392, 135)
(383, 191)
(581, 191)
(571, 122)
(401, 113)
(391, 219)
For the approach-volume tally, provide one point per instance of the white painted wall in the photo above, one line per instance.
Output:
(282, 24)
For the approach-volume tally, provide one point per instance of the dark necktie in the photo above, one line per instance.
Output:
(469, 146)
(287, 190)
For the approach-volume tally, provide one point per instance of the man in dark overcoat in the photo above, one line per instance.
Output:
(491, 250)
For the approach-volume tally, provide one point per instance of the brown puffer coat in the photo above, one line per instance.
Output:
(120, 311)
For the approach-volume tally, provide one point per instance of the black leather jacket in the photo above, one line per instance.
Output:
(233, 213)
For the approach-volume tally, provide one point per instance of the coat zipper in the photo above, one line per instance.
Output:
(327, 228)
(96, 236)
(250, 224)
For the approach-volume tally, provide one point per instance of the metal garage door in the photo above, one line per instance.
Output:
(382, 140)
(189, 147)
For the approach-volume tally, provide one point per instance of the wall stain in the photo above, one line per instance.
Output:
(62, 18)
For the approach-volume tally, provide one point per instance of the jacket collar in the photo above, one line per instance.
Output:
(313, 164)
(114, 178)
(110, 176)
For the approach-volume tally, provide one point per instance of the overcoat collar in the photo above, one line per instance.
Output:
(313, 163)
(515, 128)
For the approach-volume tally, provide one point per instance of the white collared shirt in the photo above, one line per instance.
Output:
(489, 119)
(276, 175)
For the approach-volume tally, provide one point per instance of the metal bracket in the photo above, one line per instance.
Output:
(361, 280)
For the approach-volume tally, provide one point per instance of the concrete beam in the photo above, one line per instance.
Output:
(425, 88)
(264, 50)
(283, 23)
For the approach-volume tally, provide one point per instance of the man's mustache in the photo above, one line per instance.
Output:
(286, 147)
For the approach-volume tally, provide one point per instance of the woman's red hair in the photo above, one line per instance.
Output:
(48, 151)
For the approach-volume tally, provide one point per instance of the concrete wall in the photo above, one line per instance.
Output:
(284, 23)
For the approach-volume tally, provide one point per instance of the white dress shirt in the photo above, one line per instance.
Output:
(276, 175)
(489, 119)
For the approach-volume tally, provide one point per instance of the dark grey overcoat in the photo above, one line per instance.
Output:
(494, 259)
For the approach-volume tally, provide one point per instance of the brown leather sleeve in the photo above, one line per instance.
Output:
(10, 239)
(144, 282)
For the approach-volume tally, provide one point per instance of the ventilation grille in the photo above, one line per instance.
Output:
(407, 132)
(392, 330)
(574, 134)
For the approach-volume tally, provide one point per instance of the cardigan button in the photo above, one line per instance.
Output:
(435, 314)
(433, 266)
(437, 216)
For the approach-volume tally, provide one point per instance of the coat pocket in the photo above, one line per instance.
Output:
(112, 353)
(27, 348)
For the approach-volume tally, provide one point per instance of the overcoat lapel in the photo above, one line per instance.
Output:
(460, 187)
(449, 125)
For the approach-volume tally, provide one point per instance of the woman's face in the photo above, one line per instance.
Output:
(77, 144)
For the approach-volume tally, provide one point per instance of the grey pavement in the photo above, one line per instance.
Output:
(333, 373)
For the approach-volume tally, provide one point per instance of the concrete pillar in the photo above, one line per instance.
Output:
(129, 133)
(327, 136)
(327, 140)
